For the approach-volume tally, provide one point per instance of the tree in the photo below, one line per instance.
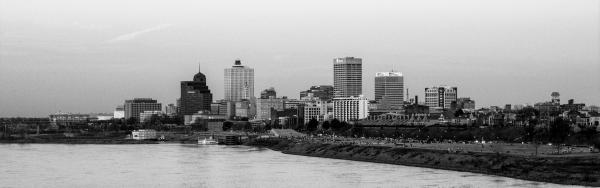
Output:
(558, 132)
(527, 113)
(312, 125)
(459, 113)
(336, 124)
(596, 143)
(325, 125)
(227, 125)
(131, 121)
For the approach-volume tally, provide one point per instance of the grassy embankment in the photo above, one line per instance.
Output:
(560, 170)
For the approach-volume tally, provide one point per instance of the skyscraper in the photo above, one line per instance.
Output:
(239, 82)
(440, 97)
(389, 88)
(347, 77)
(195, 95)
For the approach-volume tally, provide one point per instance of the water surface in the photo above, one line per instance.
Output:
(176, 165)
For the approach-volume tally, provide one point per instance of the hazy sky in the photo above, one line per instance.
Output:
(89, 56)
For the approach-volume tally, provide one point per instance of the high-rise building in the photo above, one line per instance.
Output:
(347, 77)
(134, 107)
(322, 92)
(239, 82)
(195, 95)
(389, 88)
(268, 93)
(440, 97)
(350, 108)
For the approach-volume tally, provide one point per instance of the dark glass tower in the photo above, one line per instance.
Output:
(195, 95)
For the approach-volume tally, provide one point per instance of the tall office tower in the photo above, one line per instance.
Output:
(268, 93)
(440, 97)
(195, 95)
(239, 82)
(134, 107)
(350, 108)
(347, 77)
(389, 88)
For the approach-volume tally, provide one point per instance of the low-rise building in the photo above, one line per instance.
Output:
(264, 106)
(143, 134)
(350, 108)
(205, 122)
(147, 115)
(319, 110)
(68, 119)
(119, 112)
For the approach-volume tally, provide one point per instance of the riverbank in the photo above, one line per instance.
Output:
(109, 138)
(77, 141)
(560, 170)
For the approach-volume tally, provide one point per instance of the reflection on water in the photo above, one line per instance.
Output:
(175, 165)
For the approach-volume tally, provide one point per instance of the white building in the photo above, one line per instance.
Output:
(147, 115)
(350, 108)
(119, 112)
(440, 97)
(143, 134)
(319, 110)
(239, 82)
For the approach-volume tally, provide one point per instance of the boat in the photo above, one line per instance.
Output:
(209, 141)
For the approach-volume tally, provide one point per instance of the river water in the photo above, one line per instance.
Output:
(178, 165)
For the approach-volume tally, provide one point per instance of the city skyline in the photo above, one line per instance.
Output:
(74, 59)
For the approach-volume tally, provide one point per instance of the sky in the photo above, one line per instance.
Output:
(89, 56)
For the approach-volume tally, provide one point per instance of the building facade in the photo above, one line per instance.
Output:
(440, 97)
(68, 119)
(146, 116)
(239, 82)
(143, 134)
(119, 112)
(264, 106)
(134, 107)
(389, 88)
(322, 92)
(171, 110)
(195, 95)
(268, 93)
(347, 77)
(320, 111)
(465, 103)
(350, 108)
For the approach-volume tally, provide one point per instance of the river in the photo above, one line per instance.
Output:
(180, 165)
